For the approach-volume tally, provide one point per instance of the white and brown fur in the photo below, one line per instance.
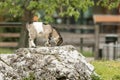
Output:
(48, 33)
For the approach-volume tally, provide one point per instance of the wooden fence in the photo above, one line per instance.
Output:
(75, 32)
(4, 25)
(106, 20)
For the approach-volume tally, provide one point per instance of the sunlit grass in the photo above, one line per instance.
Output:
(87, 53)
(6, 50)
(108, 70)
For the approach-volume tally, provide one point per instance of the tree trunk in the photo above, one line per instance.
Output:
(23, 37)
(27, 17)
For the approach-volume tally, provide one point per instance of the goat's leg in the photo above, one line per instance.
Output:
(47, 43)
(31, 39)
(48, 40)
(31, 43)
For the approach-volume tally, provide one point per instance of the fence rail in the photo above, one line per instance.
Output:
(68, 37)
(10, 24)
(19, 25)
(8, 44)
(9, 34)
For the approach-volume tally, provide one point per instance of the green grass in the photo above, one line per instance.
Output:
(87, 53)
(6, 50)
(108, 70)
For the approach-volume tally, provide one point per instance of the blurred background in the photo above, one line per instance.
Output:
(92, 26)
(74, 20)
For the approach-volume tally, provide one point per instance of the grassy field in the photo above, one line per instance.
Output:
(87, 53)
(6, 50)
(108, 70)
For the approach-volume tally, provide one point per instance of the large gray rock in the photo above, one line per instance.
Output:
(45, 63)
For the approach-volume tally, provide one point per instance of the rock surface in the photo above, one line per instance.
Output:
(45, 63)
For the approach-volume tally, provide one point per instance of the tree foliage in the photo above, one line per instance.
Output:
(109, 3)
(48, 7)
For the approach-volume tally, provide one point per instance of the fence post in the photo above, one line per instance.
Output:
(81, 44)
(96, 54)
(23, 37)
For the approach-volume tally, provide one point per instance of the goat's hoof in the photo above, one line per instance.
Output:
(33, 47)
(48, 45)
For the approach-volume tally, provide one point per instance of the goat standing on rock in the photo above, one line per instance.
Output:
(38, 29)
